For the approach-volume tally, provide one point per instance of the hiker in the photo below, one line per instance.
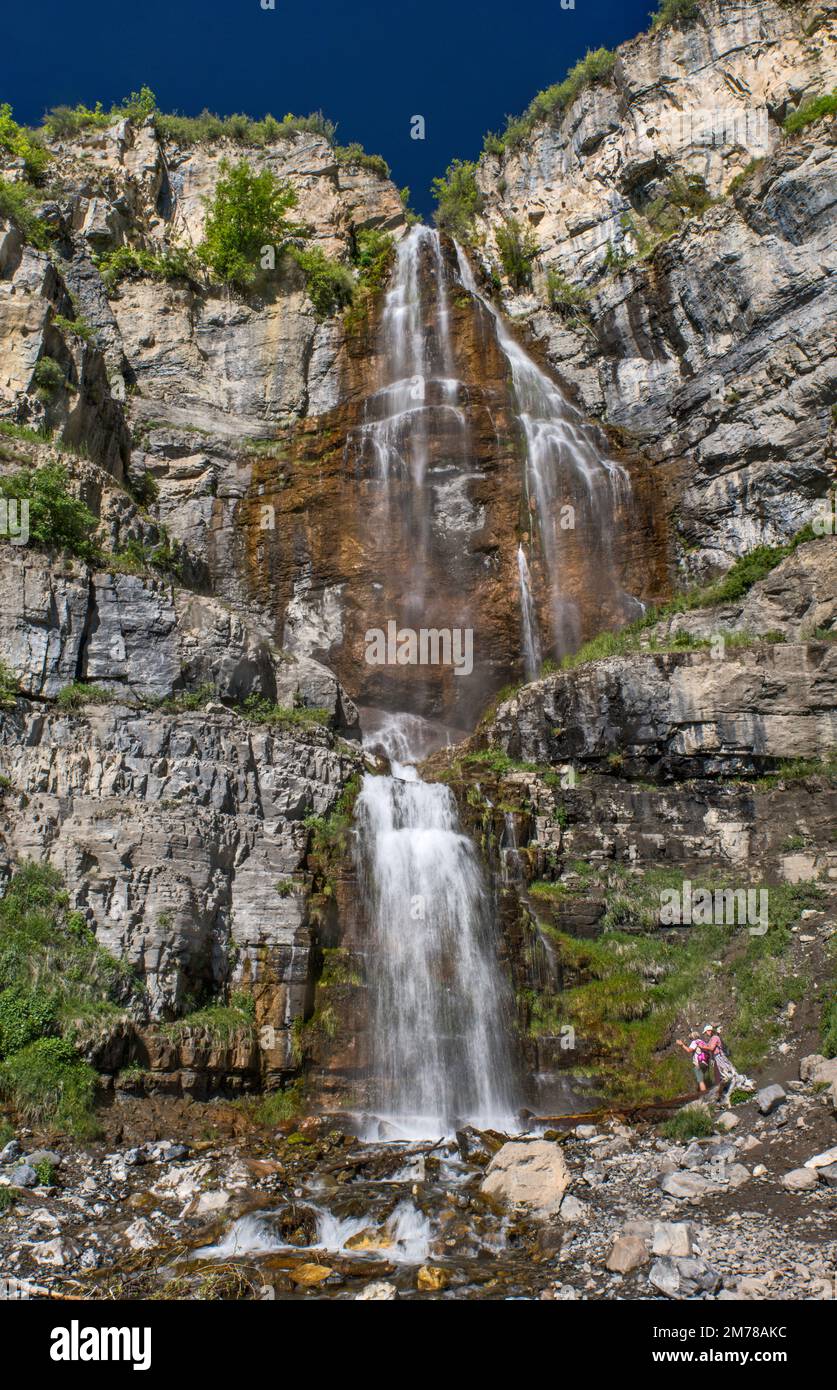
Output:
(702, 1061)
(729, 1079)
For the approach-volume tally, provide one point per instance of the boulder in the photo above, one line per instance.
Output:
(672, 1238)
(738, 1175)
(24, 1176)
(139, 1235)
(308, 1275)
(823, 1160)
(686, 1186)
(769, 1097)
(682, 1278)
(627, 1253)
(572, 1209)
(800, 1180)
(431, 1279)
(39, 1156)
(531, 1174)
(819, 1071)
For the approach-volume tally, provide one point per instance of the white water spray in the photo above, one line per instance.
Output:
(441, 1055)
(563, 463)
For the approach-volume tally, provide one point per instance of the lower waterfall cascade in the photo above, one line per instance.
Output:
(441, 1052)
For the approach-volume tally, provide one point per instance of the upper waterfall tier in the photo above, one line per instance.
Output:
(456, 500)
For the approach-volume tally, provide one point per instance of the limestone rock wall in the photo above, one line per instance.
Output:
(713, 350)
(172, 833)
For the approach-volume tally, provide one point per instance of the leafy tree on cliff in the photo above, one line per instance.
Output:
(247, 212)
(458, 198)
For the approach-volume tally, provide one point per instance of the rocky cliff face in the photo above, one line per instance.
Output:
(204, 838)
(709, 344)
(596, 788)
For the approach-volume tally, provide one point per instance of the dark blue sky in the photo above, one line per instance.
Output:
(370, 67)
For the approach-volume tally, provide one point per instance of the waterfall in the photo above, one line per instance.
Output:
(440, 1037)
(439, 1003)
(575, 491)
(529, 619)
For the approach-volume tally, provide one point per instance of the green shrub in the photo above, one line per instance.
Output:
(692, 1122)
(9, 687)
(77, 328)
(138, 106)
(373, 254)
(193, 130)
(63, 121)
(355, 154)
(25, 1014)
(48, 950)
(47, 1083)
(17, 204)
(49, 378)
(678, 12)
(330, 285)
(517, 248)
(56, 518)
(17, 141)
(564, 297)
(458, 199)
(811, 111)
(79, 694)
(246, 212)
(278, 1107)
(46, 1172)
(137, 558)
(130, 262)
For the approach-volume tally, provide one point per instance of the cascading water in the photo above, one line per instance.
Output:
(439, 1013)
(573, 489)
(440, 1051)
(419, 399)
(531, 636)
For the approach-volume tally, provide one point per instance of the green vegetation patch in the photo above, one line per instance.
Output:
(222, 1023)
(680, 13)
(54, 977)
(639, 984)
(57, 519)
(811, 111)
(131, 262)
(22, 144)
(692, 1122)
(734, 585)
(48, 950)
(258, 710)
(49, 1084)
(247, 211)
(458, 199)
(517, 248)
